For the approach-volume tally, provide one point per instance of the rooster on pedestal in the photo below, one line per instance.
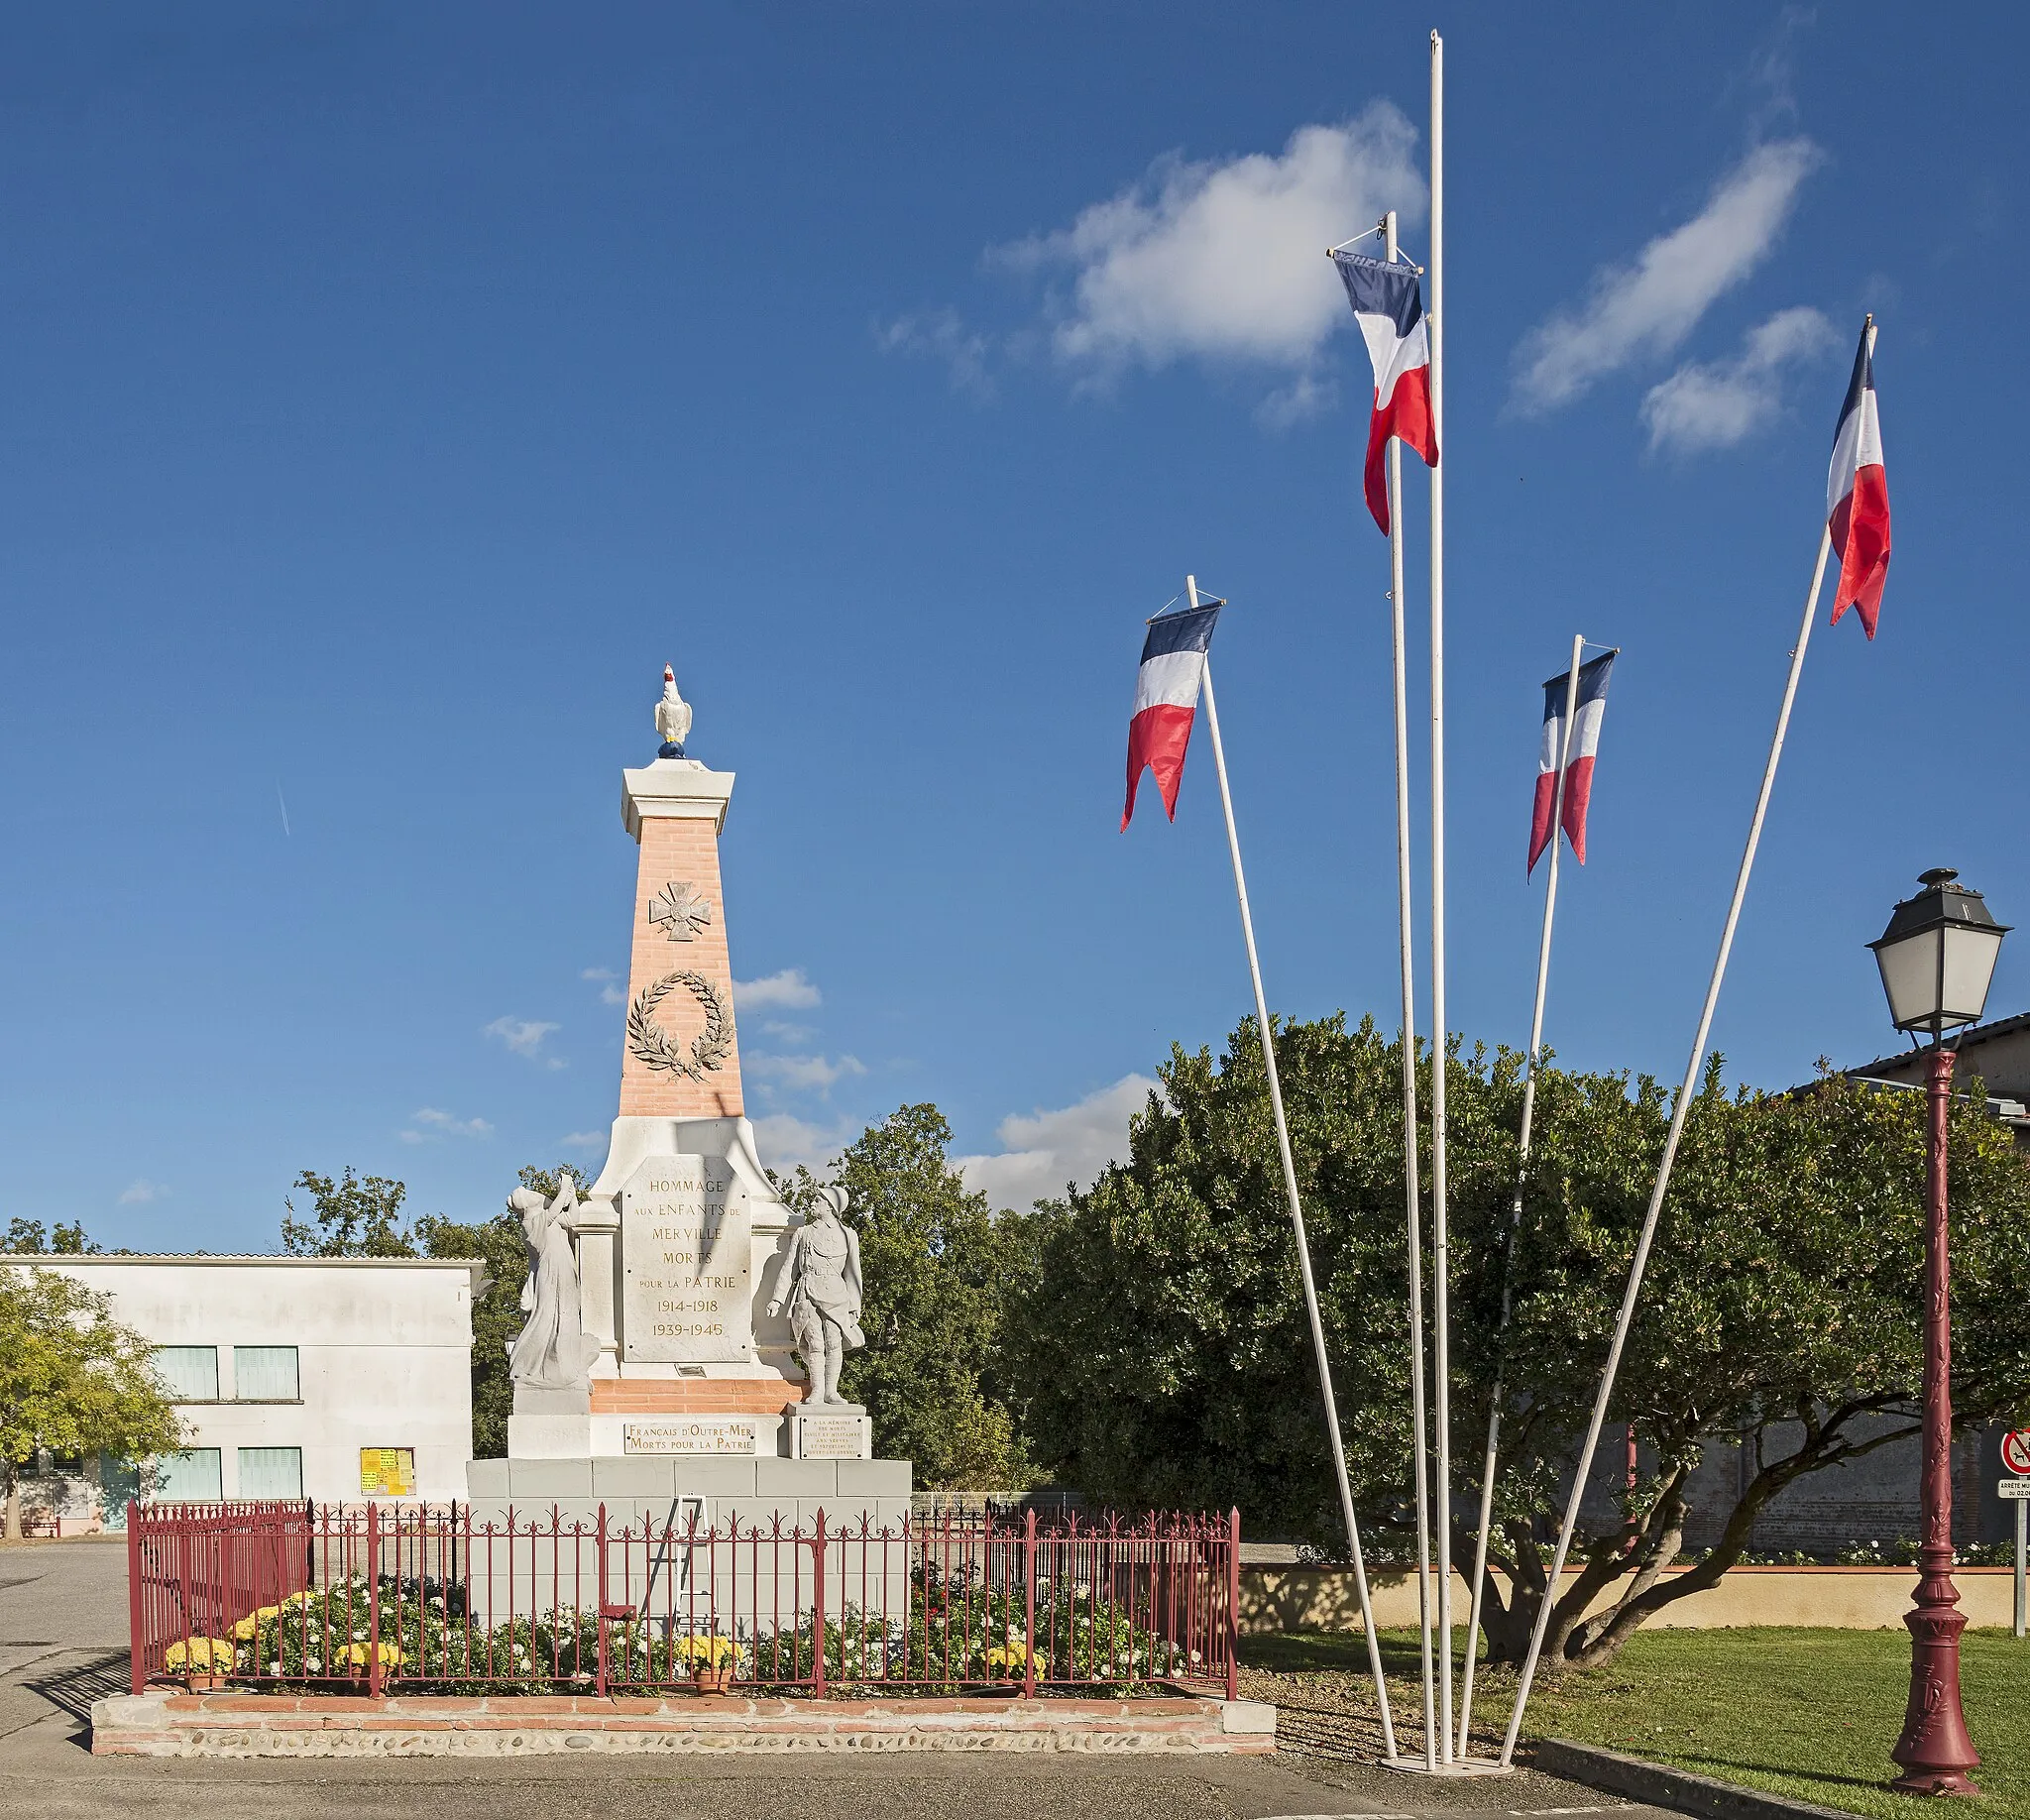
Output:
(673, 717)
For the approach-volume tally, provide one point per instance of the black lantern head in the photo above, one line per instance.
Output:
(1938, 954)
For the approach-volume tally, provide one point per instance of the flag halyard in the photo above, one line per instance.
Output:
(1167, 701)
(1591, 710)
(1388, 304)
(1858, 495)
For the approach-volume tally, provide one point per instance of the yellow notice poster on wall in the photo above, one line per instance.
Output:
(387, 1472)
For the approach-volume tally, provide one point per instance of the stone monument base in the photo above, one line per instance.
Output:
(651, 1505)
(753, 1489)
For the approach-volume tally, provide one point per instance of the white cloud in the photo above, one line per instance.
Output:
(788, 989)
(805, 1072)
(1649, 306)
(430, 1121)
(610, 993)
(789, 1033)
(584, 1140)
(784, 1141)
(599, 972)
(1042, 1150)
(1223, 260)
(1714, 404)
(140, 1191)
(943, 336)
(524, 1037)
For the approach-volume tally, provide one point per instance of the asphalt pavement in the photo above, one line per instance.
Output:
(62, 1644)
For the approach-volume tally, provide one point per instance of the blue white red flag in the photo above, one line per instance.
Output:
(1388, 304)
(1167, 701)
(1857, 498)
(1592, 709)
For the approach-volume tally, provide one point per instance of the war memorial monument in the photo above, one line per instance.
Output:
(686, 1329)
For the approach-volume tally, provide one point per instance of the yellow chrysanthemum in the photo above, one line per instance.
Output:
(356, 1654)
(198, 1654)
(244, 1627)
(711, 1649)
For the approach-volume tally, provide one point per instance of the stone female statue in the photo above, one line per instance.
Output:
(821, 1280)
(553, 1351)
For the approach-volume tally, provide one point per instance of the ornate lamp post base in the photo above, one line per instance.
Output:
(1935, 1751)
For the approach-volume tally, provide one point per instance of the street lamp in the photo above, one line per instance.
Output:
(1937, 956)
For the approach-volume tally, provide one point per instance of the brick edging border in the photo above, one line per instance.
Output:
(165, 1724)
(1705, 1795)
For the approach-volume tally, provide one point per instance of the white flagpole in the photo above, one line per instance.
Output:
(1297, 1212)
(1440, 1257)
(1494, 1414)
(1677, 1124)
(1413, 1199)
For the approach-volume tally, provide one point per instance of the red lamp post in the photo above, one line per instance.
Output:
(1936, 957)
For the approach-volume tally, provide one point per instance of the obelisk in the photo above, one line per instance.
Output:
(692, 1391)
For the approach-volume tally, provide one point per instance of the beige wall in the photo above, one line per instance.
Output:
(1845, 1597)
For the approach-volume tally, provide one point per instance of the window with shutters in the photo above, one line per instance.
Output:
(265, 1374)
(271, 1472)
(190, 1373)
(190, 1477)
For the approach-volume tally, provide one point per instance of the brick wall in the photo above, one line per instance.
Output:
(681, 850)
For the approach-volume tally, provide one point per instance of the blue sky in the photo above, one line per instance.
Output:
(385, 392)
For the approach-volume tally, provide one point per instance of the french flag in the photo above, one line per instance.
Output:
(1167, 701)
(1388, 304)
(1857, 495)
(1592, 709)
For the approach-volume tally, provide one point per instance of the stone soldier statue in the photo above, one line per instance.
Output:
(552, 1351)
(821, 1280)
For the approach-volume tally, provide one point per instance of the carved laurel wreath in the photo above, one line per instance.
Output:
(649, 1042)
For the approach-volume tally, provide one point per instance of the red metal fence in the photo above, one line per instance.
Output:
(419, 1599)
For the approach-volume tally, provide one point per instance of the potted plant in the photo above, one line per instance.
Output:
(202, 1662)
(711, 1660)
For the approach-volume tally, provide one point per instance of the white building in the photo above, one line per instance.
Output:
(335, 1379)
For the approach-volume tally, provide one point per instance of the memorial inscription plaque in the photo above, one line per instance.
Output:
(736, 1434)
(687, 1263)
(831, 1436)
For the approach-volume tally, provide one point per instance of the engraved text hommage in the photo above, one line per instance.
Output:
(687, 1263)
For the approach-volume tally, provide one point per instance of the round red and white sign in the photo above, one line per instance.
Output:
(2016, 1450)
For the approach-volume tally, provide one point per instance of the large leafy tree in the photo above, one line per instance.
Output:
(1167, 1359)
(72, 1378)
(938, 1264)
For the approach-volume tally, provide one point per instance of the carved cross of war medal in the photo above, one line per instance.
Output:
(679, 912)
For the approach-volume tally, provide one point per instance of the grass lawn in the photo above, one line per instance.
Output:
(1805, 1713)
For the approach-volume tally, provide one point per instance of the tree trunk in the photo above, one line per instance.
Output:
(13, 1502)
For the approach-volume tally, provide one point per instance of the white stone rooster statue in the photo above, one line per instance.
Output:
(673, 717)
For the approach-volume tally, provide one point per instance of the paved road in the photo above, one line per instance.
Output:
(62, 1635)
(54, 1596)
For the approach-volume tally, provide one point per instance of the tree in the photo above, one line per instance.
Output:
(27, 1237)
(73, 1380)
(1164, 1340)
(937, 1262)
(351, 1218)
